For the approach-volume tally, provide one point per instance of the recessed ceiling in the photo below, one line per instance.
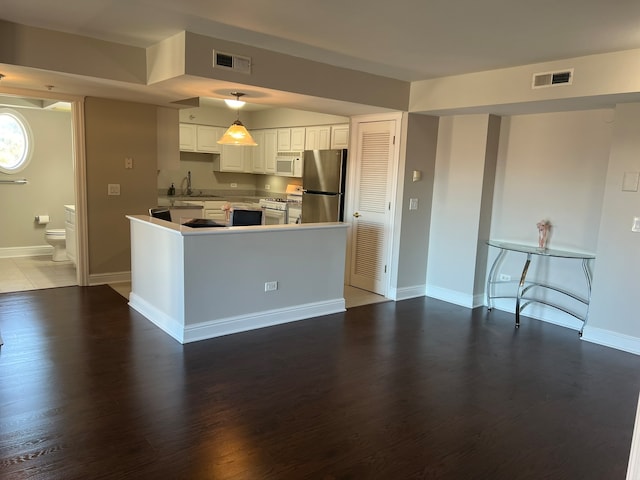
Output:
(408, 40)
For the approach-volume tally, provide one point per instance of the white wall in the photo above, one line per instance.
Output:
(50, 175)
(614, 312)
(457, 201)
(551, 166)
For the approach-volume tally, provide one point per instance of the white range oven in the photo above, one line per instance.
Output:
(275, 211)
(279, 211)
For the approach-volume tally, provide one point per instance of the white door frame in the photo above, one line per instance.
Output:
(79, 166)
(352, 164)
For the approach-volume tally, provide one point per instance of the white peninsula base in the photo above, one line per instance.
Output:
(199, 283)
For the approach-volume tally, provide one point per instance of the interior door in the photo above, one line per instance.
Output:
(372, 205)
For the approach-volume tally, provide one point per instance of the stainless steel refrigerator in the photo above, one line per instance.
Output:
(323, 181)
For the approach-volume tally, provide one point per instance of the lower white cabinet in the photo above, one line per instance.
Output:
(213, 211)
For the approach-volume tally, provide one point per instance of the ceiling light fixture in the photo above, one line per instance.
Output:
(237, 134)
(237, 103)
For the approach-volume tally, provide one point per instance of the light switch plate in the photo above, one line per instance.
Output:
(413, 204)
(113, 189)
(636, 225)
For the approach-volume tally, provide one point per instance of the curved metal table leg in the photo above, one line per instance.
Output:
(587, 276)
(519, 294)
(491, 279)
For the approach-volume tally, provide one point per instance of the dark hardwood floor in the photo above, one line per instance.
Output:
(89, 389)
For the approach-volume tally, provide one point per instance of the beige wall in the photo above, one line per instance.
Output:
(615, 287)
(419, 138)
(50, 175)
(460, 170)
(116, 130)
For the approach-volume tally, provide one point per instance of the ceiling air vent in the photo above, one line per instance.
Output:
(229, 61)
(551, 79)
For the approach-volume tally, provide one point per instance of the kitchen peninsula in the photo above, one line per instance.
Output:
(199, 283)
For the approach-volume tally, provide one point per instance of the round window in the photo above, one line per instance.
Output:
(15, 142)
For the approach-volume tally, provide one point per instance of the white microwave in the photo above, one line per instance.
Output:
(289, 165)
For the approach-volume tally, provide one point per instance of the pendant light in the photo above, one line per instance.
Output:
(237, 134)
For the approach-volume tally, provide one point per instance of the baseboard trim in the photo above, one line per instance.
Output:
(607, 338)
(32, 251)
(104, 278)
(236, 324)
(160, 319)
(406, 293)
(450, 296)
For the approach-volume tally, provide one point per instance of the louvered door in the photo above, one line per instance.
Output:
(370, 216)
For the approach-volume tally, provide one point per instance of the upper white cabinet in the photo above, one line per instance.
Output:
(207, 139)
(257, 157)
(187, 137)
(235, 158)
(291, 139)
(200, 138)
(270, 150)
(318, 138)
(340, 136)
(263, 157)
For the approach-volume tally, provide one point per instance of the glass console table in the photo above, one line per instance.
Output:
(524, 292)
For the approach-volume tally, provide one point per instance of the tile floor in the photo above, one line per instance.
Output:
(32, 273)
(18, 274)
(353, 297)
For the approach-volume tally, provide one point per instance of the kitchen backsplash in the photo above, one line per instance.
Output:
(204, 179)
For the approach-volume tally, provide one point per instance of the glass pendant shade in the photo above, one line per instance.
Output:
(234, 103)
(237, 134)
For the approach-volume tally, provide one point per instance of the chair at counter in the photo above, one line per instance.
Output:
(241, 217)
(161, 213)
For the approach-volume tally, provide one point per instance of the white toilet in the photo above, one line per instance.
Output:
(56, 237)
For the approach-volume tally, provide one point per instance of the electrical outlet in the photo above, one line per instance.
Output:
(128, 162)
(413, 204)
(234, 185)
(270, 286)
(505, 278)
(267, 187)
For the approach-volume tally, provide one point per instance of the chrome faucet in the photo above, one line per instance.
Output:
(189, 191)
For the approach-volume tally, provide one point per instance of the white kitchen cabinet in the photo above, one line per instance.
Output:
(257, 157)
(270, 151)
(200, 138)
(318, 138)
(207, 138)
(297, 139)
(187, 137)
(291, 139)
(235, 158)
(284, 139)
(213, 211)
(340, 136)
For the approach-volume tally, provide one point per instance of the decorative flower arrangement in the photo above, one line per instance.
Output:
(226, 208)
(544, 226)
